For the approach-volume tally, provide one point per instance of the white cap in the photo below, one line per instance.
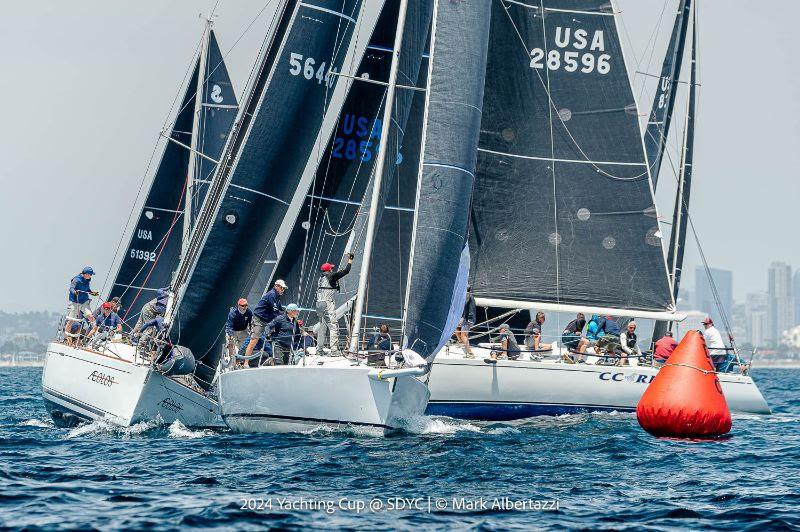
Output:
(281, 283)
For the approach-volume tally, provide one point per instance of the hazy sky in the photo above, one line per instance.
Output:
(87, 86)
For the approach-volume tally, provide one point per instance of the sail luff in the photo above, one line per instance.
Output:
(660, 117)
(378, 179)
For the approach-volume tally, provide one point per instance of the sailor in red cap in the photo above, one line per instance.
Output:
(327, 288)
(237, 328)
(107, 322)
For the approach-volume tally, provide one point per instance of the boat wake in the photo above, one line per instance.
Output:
(99, 427)
(438, 425)
(179, 430)
(46, 424)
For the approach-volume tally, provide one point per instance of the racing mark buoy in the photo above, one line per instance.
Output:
(685, 399)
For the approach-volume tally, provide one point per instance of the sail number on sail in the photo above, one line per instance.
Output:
(572, 60)
(348, 144)
(297, 66)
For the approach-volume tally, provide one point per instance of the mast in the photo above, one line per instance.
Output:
(664, 100)
(680, 217)
(193, 163)
(376, 187)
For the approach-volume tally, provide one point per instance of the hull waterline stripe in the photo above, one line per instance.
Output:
(311, 419)
(75, 402)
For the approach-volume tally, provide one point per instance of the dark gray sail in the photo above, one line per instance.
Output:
(155, 245)
(439, 262)
(263, 163)
(563, 210)
(218, 110)
(658, 122)
(385, 298)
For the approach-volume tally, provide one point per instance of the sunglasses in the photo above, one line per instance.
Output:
(243, 306)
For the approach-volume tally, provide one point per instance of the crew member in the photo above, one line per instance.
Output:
(381, 340)
(664, 347)
(629, 345)
(286, 335)
(79, 292)
(152, 309)
(466, 322)
(508, 345)
(571, 336)
(267, 309)
(714, 342)
(327, 288)
(533, 334)
(107, 321)
(237, 328)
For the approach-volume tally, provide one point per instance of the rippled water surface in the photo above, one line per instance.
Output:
(602, 469)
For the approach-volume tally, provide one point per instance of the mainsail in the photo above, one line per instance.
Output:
(290, 109)
(658, 122)
(437, 282)
(154, 249)
(563, 211)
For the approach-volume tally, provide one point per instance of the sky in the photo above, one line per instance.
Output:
(88, 85)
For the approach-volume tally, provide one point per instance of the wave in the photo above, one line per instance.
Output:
(179, 430)
(100, 426)
(46, 424)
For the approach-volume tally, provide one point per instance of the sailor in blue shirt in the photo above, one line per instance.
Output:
(79, 292)
(237, 328)
(267, 310)
(108, 321)
(286, 334)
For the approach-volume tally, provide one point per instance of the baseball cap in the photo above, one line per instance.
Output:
(88, 270)
(281, 283)
(708, 321)
(505, 326)
(326, 267)
(291, 307)
(107, 305)
(242, 302)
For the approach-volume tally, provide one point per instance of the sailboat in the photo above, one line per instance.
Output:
(322, 389)
(115, 380)
(564, 217)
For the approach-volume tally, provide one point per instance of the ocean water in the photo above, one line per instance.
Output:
(576, 471)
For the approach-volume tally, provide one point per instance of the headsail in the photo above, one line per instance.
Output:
(437, 279)
(658, 121)
(290, 109)
(217, 112)
(154, 250)
(563, 211)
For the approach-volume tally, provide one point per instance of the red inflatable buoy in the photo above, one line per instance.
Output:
(685, 399)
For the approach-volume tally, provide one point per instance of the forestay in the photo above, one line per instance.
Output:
(439, 260)
(563, 210)
(263, 163)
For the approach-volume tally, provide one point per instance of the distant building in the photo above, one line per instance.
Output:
(704, 299)
(781, 300)
(796, 286)
(757, 312)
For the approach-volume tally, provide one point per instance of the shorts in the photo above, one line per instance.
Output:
(258, 327)
(76, 311)
(465, 324)
(570, 340)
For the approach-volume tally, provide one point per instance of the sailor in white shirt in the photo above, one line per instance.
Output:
(714, 342)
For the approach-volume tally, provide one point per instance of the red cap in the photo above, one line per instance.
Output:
(326, 267)
(106, 305)
(708, 321)
(242, 302)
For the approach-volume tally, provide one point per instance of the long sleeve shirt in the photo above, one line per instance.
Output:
(269, 306)
(79, 289)
(238, 321)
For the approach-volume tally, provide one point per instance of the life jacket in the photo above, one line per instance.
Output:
(326, 289)
(631, 339)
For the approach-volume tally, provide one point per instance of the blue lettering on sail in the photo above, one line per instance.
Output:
(356, 138)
